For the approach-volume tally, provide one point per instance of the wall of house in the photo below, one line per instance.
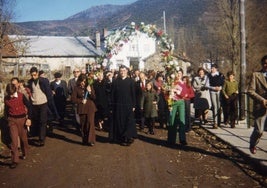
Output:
(60, 63)
(48, 64)
(139, 47)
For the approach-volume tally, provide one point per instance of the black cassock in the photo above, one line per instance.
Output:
(123, 102)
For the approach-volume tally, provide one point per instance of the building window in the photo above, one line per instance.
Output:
(67, 71)
(133, 47)
(119, 63)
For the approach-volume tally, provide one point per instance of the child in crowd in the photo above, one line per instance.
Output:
(230, 93)
(149, 102)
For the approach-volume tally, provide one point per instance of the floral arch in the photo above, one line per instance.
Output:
(115, 41)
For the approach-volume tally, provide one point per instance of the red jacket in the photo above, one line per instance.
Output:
(17, 106)
(190, 93)
(180, 90)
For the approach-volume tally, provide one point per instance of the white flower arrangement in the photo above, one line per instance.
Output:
(119, 37)
(115, 41)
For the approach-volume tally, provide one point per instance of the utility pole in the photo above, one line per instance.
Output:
(164, 22)
(243, 101)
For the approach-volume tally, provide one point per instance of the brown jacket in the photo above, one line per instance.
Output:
(257, 90)
(77, 98)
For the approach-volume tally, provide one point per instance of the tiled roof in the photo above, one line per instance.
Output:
(55, 46)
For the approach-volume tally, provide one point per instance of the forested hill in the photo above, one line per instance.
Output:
(197, 27)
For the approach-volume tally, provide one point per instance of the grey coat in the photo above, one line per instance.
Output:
(147, 99)
(257, 90)
(202, 94)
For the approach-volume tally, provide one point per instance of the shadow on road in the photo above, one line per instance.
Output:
(4, 129)
(188, 148)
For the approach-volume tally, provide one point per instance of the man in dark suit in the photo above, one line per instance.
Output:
(71, 86)
(139, 89)
(123, 129)
(72, 81)
(41, 98)
(101, 100)
(60, 94)
(257, 90)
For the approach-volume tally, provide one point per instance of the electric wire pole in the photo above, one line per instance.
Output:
(243, 101)
(164, 22)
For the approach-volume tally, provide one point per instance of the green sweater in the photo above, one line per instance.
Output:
(229, 88)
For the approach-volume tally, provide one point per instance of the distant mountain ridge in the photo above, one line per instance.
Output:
(78, 24)
(96, 12)
(195, 26)
(178, 13)
(112, 16)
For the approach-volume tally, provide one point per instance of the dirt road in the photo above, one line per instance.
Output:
(148, 162)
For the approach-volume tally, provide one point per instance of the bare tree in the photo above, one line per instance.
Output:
(229, 16)
(194, 49)
(256, 34)
(6, 16)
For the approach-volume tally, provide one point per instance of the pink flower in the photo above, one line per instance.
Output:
(166, 53)
(160, 33)
(109, 56)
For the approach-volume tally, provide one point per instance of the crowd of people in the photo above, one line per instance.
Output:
(123, 102)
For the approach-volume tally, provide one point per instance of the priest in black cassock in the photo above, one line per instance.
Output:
(123, 129)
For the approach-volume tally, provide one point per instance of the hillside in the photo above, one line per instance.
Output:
(195, 26)
(78, 24)
(96, 13)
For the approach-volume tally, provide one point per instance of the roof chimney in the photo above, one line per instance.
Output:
(97, 40)
(105, 32)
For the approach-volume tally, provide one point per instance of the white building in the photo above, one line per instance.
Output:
(139, 47)
(53, 53)
(60, 53)
(134, 52)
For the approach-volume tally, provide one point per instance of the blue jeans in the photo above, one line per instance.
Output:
(216, 107)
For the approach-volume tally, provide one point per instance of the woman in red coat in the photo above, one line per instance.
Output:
(83, 95)
(18, 118)
(190, 94)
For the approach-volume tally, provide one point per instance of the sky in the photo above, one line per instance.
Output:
(37, 10)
